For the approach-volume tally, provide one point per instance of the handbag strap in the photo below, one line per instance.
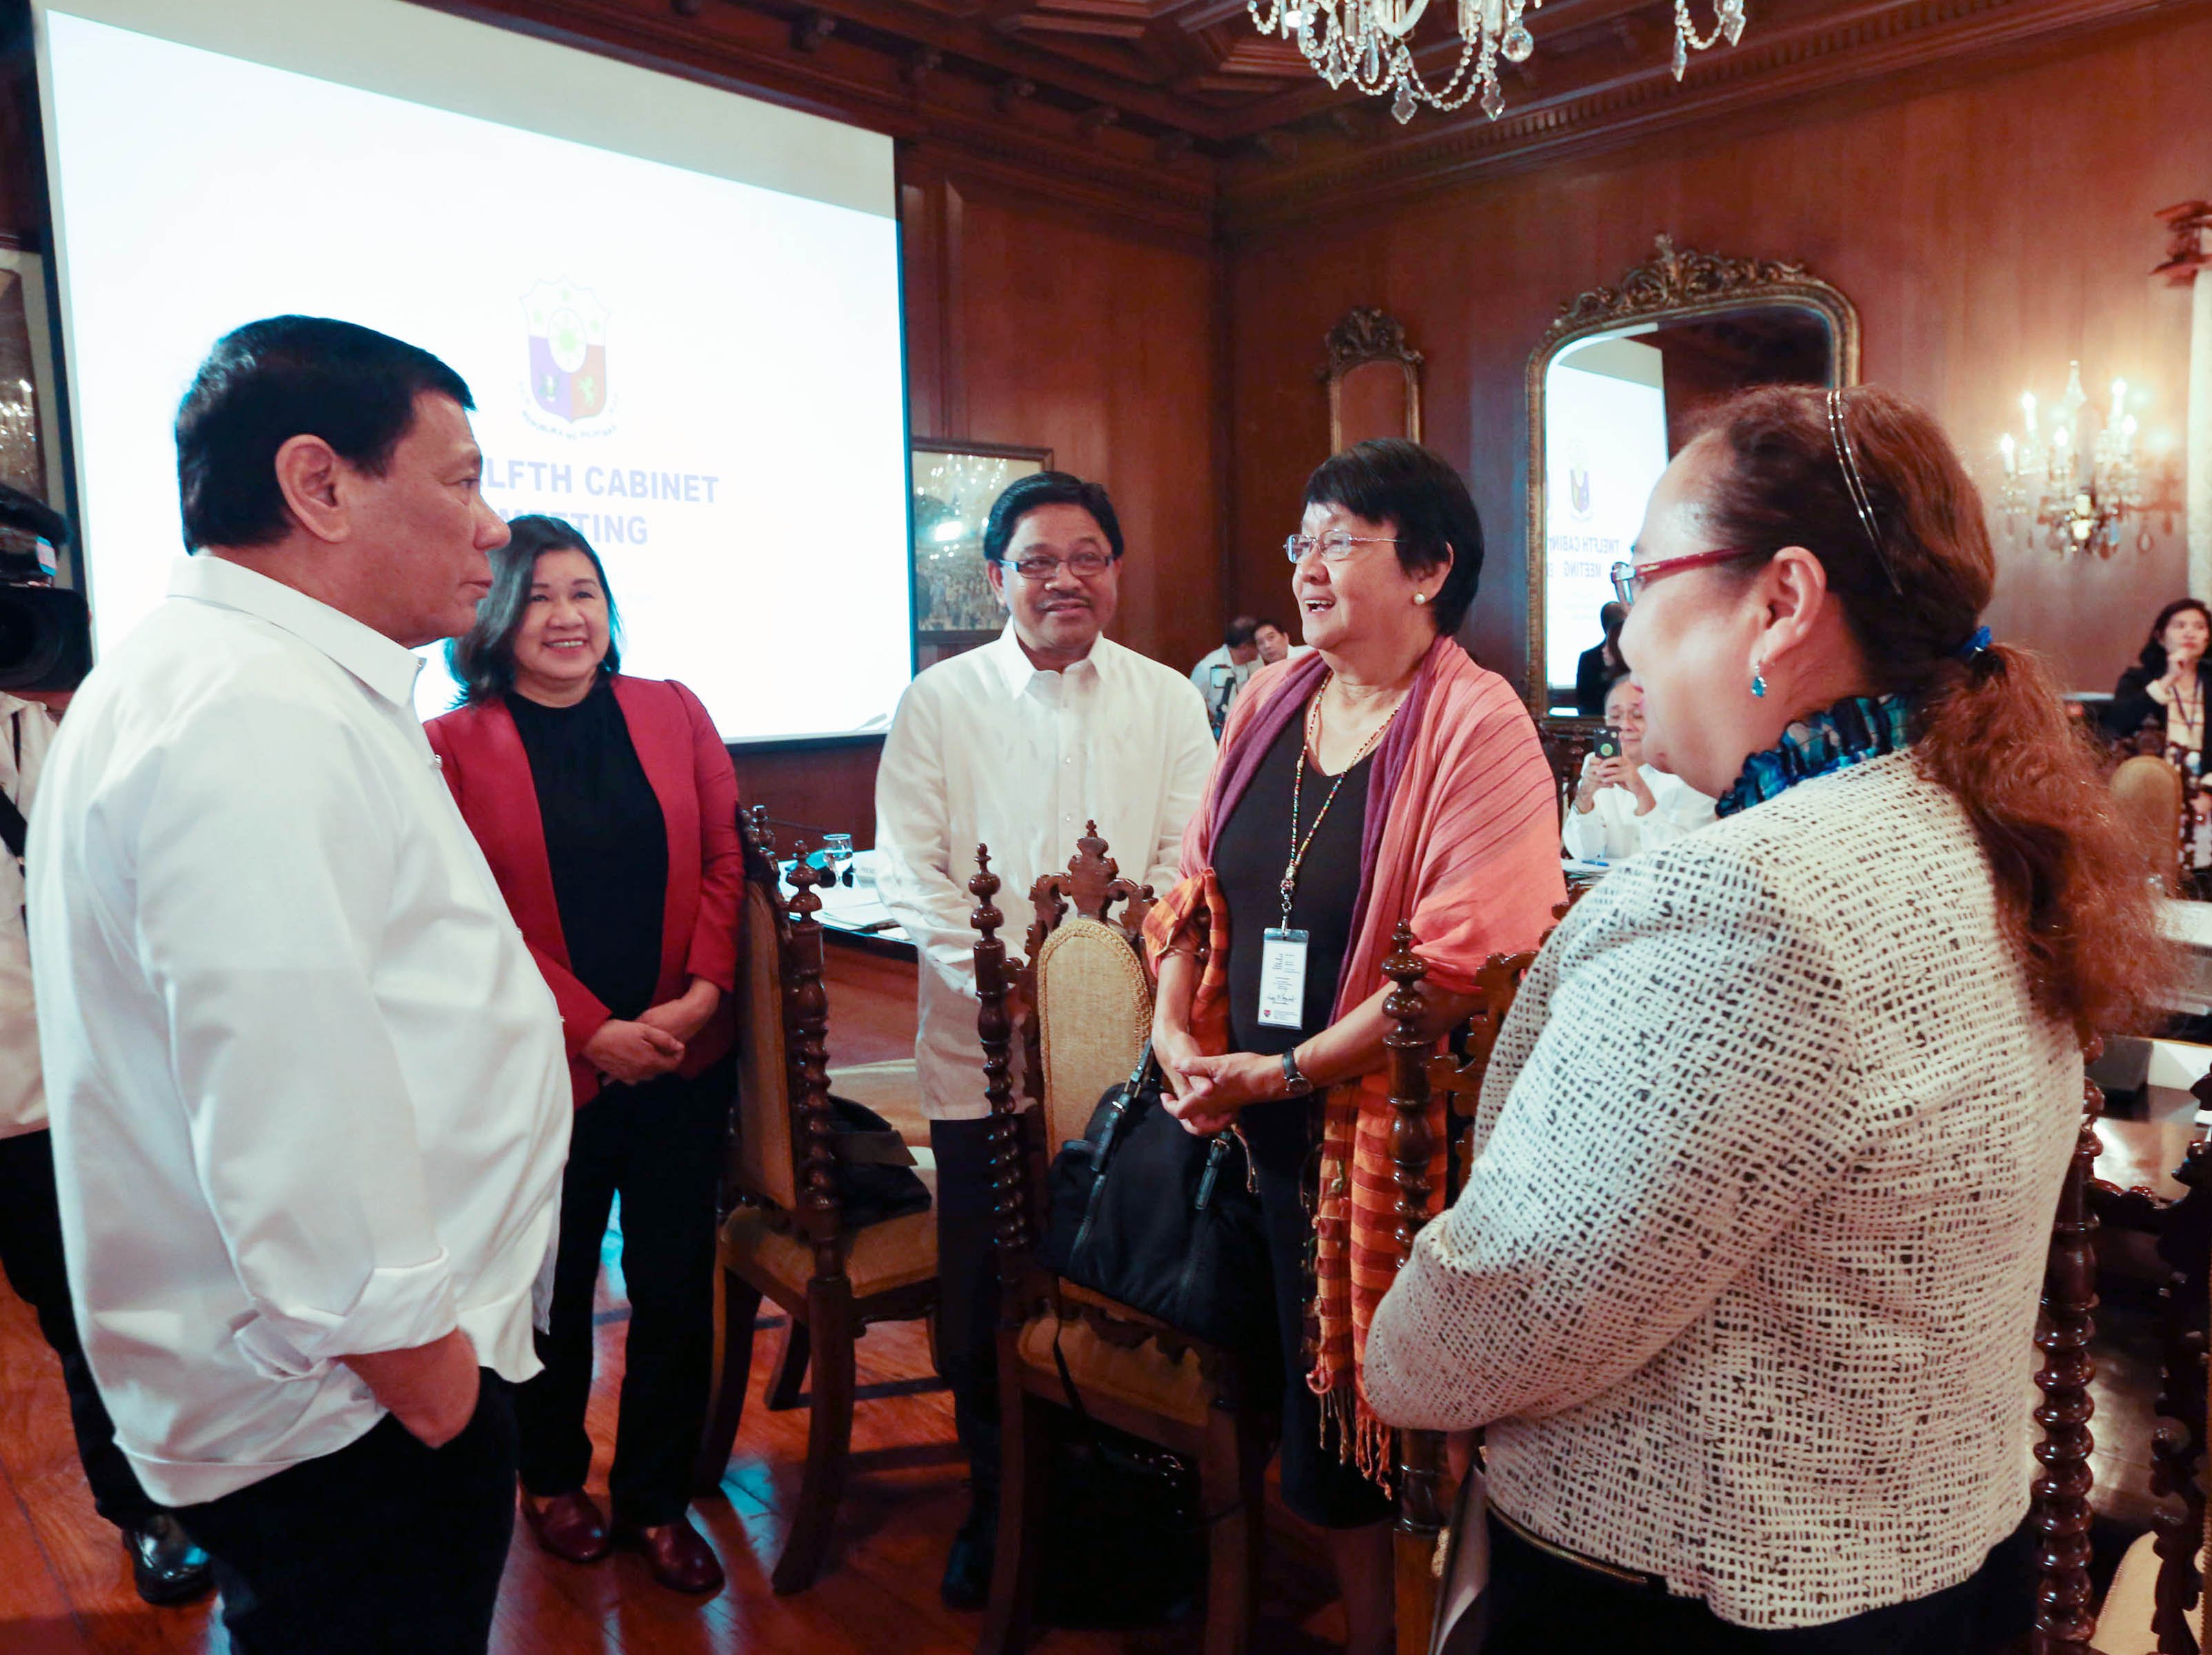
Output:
(1147, 1072)
(13, 831)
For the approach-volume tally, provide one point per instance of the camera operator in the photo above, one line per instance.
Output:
(165, 1564)
(45, 647)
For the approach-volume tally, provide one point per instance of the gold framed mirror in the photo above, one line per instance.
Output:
(1374, 380)
(1615, 387)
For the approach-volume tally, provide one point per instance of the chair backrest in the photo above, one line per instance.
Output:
(1565, 745)
(1418, 1072)
(1084, 1004)
(2064, 1617)
(1457, 1071)
(1094, 1010)
(782, 1153)
(2150, 797)
(2182, 1230)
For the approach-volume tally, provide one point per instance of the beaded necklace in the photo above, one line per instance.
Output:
(1289, 886)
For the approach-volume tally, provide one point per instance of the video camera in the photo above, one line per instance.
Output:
(45, 630)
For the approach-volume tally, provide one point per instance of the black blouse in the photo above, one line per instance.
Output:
(2132, 705)
(1249, 858)
(605, 841)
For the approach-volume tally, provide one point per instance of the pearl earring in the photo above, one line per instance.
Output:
(1420, 596)
(1759, 682)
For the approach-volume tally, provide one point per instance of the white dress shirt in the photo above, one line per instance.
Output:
(1219, 678)
(988, 750)
(309, 1093)
(1611, 831)
(26, 731)
(1743, 1280)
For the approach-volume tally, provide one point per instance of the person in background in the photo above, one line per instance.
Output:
(1385, 778)
(309, 1104)
(608, 810)
(2167, 686)
(165, 1565)
(1017, 746)
(1624, 805)
(1222, 673)
(1275, 643)
(1600, 664)
(1743, 1278)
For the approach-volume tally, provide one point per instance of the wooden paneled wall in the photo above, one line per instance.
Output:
(1988, 227)
(1989, 232)
(1032, 322)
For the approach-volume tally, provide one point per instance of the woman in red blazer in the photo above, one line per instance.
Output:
(607, 809)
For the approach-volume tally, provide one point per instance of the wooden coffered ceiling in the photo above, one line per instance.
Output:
(1181, 111)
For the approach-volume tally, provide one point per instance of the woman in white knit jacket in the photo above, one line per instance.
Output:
(1744, 1277)
(1626, 806)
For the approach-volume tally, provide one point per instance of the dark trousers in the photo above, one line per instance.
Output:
(968, 1297)
(384, 1547)
(31, 1254)
(1540, 1605)
(1321, 1485)
(658, 1147)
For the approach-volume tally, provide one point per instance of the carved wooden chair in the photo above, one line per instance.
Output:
(2059, 1497)
(1566, 745)
(1418, 1072)
(1084, 1007)
(784, 1237)
(2159, 1581)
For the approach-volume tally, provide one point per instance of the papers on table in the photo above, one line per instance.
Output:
(856, 906)
(2189, 924)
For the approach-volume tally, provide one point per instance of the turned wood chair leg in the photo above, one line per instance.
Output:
(1412, 1558)
(789, 1384)
(737, 1307)
(1025, 1455)
(1229, 1496)
(829, 1435)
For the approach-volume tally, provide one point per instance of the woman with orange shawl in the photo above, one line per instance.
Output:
(1383, 777)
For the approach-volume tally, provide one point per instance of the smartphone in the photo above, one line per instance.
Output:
(1607, 745)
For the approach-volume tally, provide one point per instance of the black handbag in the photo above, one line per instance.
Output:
(876, 1179)
(1163, 1221)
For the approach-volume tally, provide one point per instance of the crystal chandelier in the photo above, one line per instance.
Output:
(2077, 498)
(1367, 43)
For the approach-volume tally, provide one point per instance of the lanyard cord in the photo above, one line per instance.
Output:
(1299, 847)
(2180, 703)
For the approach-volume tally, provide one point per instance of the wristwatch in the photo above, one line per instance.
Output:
(1295, 1085)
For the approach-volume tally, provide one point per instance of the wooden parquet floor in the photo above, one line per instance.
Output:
(65, 1586)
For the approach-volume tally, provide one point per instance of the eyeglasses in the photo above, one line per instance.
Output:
(1083, 565)
(1335, 546)
(1629, 580)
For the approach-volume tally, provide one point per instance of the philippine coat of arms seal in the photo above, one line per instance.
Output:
(567, 349)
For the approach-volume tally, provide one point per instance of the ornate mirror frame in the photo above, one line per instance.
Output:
(1367, 335)
(1671, 285)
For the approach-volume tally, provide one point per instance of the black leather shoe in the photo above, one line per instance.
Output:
(167, 1564)
(966, 1583)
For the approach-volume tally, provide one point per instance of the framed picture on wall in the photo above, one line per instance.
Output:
(954, 484)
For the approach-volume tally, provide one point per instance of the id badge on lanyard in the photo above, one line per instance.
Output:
(1283, 978)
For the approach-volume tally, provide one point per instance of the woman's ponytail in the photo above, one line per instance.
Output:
(1911, 564)
(2074, 888)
